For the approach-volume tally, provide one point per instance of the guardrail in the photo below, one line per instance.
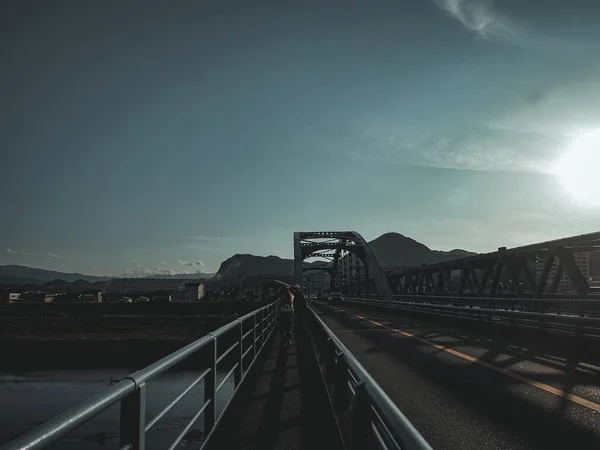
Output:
(377, 421)
(560, 323)
(131, 391)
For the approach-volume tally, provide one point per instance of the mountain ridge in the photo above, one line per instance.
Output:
(394, 251)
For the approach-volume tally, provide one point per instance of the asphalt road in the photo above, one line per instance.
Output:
(464, 390)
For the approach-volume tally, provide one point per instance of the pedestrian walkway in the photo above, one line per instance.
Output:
(279, 408)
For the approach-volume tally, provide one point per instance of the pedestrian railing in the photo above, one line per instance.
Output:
(237, 343)
(376, 420)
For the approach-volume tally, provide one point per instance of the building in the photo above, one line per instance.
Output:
(178, 295)
(351, 269)
(581, 259)
(91, 297)
(193, 291)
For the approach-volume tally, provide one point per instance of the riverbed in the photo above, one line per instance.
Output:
(27, 399)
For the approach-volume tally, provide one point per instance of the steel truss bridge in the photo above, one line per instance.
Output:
(542, 277)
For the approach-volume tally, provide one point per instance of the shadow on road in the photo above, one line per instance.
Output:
(483, 390)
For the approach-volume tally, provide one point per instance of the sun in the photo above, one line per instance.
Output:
(579, 169)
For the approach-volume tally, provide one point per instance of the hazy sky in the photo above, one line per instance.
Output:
(137, 136)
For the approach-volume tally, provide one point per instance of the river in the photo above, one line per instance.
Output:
(28, 399)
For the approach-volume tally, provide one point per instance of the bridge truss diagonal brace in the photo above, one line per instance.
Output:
(306, 244)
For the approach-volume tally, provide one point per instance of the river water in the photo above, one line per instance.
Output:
(28, 399)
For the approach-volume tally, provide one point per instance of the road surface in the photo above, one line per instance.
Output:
(470, 391)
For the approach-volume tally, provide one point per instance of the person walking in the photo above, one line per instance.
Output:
(285, 314)
(299, 304)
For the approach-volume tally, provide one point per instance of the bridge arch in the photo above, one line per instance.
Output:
(307, 244)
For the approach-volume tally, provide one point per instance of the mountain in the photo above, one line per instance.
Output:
(21, 275)
(395, 251)
(248, 266)
(186, 276)
(40, 276)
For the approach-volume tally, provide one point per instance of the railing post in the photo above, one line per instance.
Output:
(254, 336)
(330, 361)
(237, 375)
(210, 387)
(133, 419)
(362, 418)
(262, 328)
(342, 394)
(322, 347)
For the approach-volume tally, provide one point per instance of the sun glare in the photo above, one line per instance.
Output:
(579, 169)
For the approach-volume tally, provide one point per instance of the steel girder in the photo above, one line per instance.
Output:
(534, 271)
(330, 244)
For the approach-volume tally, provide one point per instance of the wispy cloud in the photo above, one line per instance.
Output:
(183, 263)
(481, 17)
(478, 147)
(137, 272)
(14, 252)
(54, 255)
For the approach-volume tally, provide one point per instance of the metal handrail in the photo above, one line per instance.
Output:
(377, 420)
(567, 303)
(546, 320)
(130, 392)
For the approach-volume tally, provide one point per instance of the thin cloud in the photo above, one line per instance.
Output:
(11, 251)
(480, 16)
(181, 262)
(138, 272)
(54, 255)
(489, 146)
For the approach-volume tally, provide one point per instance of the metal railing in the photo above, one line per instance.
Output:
(549, 321)
(376, 420)
(131, 391)
(558, 303)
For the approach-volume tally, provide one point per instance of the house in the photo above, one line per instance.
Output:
(90, 297)
(193, 291)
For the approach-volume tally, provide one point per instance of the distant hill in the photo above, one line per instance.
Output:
(187, 276)
(395, 251)
(15, 275)
(40, 276)
(250, 266)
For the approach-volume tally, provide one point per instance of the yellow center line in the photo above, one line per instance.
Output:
(544, 387)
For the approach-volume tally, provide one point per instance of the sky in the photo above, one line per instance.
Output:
(142, 137)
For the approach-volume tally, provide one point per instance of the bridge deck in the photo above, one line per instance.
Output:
(276, 410)
(473, 390)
